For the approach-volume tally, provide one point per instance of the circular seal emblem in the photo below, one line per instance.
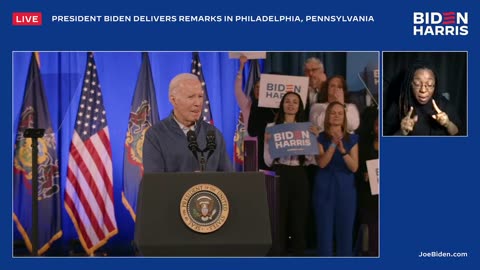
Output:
(204, 208)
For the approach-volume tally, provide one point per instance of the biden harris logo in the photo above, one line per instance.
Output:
(440, 23)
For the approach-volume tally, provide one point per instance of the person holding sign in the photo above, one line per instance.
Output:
(335, 195)
(256, 124)
(294, 188)
(421, 109)
(367, 197)
(244, 102)
(258, 119)
(336, 92)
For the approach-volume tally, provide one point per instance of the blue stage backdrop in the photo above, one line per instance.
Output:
(63, 72)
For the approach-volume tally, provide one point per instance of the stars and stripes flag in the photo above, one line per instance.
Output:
(35, 114)
(240, 130)
(143, 114)
(89, 186)
(197, 70)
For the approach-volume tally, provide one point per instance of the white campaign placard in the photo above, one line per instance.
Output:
(249, 55)
(373, 175)
(274, 87)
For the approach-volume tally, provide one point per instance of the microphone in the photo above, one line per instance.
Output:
(192, 143)
(368, 90)
(211, 142)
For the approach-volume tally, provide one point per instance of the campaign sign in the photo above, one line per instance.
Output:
(373, 173)
(291, 139)
(249, 55)
(274, 87)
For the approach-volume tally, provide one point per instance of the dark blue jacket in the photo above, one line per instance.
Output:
(165, 149)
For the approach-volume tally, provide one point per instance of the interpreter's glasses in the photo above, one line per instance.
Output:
(418, 86)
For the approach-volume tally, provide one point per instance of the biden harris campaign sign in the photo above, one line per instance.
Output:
(274, 87)
(291, 139)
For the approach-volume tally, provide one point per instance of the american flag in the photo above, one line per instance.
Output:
(197, 70)
(89, 188)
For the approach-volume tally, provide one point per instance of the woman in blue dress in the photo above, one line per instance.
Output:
(334, 194)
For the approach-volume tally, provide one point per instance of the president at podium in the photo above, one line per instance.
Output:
(190, 202)
(171, 145)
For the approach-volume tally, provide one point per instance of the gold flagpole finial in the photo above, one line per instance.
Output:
(37, 57)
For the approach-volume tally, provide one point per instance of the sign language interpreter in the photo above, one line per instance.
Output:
(422, 109)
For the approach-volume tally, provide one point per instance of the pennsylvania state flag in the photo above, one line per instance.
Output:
(35, 114)
(143, 114)
(241, 128)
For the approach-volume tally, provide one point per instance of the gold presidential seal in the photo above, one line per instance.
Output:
(204, 208)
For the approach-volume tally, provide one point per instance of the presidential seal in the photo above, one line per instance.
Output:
(204, 208)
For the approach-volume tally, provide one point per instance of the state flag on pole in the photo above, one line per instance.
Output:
(89, 187)
(143, 114)
(35, 114)
(240, 130)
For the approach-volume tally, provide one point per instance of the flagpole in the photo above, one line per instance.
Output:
(34, 134)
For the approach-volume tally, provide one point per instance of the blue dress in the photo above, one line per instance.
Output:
(335, 202)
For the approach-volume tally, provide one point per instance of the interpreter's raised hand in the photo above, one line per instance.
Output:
(440, 116)
(408, 122)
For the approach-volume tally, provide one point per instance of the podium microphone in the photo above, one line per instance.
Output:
(192, 143)
(211, 144)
